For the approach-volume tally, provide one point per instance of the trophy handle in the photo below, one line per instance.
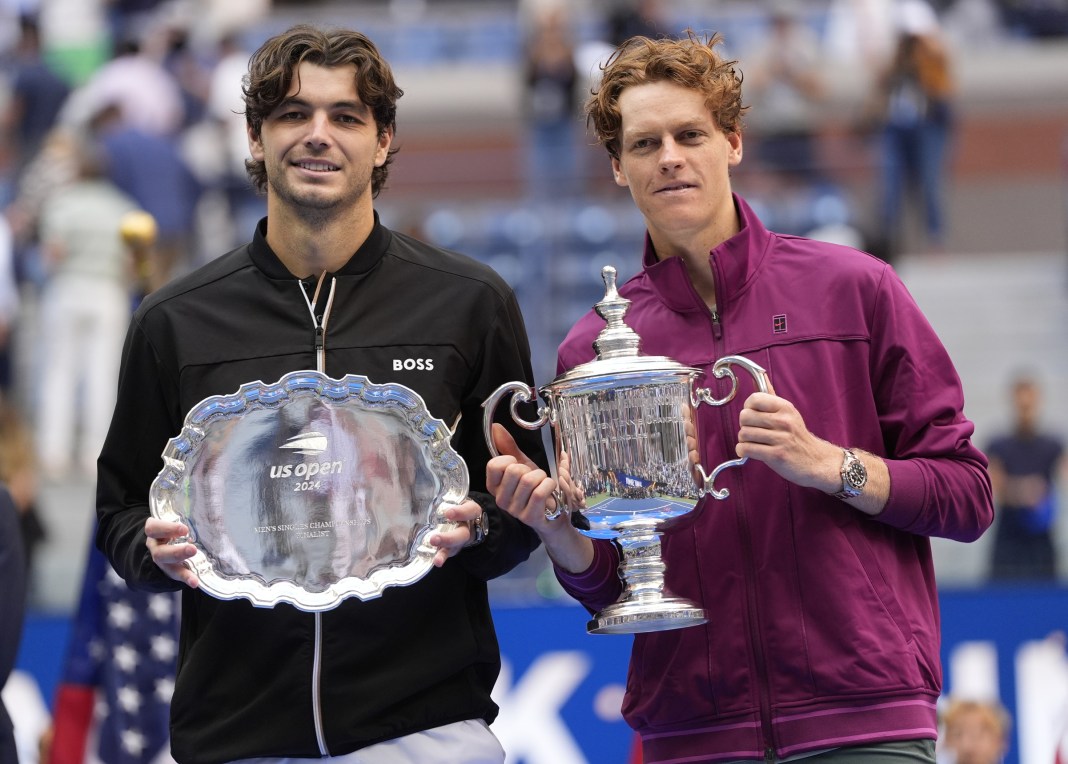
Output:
(523, 393)
(722, 368)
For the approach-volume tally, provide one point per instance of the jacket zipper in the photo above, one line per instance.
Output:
(754, 630)
(758, 649)
(317, 700)
(319, 343)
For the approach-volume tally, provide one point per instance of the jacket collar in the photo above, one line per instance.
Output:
(734, 263)
(363, 260)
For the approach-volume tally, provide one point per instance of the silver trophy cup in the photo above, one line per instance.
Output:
(622, 421)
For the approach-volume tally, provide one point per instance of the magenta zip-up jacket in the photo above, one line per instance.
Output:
(823, 625)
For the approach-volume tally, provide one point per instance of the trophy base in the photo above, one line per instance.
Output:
(640, 617)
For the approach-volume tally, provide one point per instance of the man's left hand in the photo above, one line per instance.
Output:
(450, 542)
(772, 431)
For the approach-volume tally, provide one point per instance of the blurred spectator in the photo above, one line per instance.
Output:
(12, 612)
(915, 107)
(974, 732)
(1035, 18)
(550, 103)
(147, 96)
(190, 71)
(228, 136)
(85, 308)
(1025, 465)
(785, 82)
(150, 169)
(18, 472)
(973, 22)
(54, 167)
(9, 303)
(225, 102)
(127, 19)
(630, 18)
(859, 36)
(37, 94)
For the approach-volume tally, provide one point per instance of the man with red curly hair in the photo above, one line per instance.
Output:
(822, 640)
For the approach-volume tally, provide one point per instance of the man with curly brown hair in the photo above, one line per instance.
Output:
(406, 676)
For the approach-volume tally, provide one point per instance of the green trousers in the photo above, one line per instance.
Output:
(903, 752)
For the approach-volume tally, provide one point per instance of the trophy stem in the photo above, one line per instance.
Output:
(644, 606)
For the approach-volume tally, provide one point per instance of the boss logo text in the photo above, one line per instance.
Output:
(413, 364)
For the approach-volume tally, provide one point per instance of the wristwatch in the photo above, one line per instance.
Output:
(479, 529)
(854, 476)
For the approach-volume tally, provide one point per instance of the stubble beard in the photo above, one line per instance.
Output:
(319, 206)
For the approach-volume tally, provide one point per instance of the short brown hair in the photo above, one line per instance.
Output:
(994, 716)
(272, 68)
(691, 62)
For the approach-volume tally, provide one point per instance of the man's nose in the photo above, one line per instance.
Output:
(670, 155)
(318, 130)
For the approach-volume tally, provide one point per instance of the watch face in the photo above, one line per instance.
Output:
(855, 476)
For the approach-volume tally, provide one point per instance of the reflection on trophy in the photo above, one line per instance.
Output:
(622, 422)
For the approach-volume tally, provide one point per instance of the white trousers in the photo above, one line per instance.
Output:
(82, 325)
(467, 742)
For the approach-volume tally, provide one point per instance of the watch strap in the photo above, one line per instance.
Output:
(479, 529)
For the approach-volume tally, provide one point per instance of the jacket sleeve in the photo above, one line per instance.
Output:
(504, 357)
(939, 484)
(599, 585)
(13, 591)
(131, 458)
(13, 606)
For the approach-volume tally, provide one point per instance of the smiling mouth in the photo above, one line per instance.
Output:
(313, 166)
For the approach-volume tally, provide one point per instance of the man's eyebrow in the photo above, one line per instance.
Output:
(357, 106)
(680, 126)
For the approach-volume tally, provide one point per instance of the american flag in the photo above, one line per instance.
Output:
(113, 701)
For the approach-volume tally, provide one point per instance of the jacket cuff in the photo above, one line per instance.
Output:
(908, 493)
(601, 573)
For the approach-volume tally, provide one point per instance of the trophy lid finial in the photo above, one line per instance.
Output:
(616, 339)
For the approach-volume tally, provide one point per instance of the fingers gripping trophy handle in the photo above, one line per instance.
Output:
(722, 368)
(522, 393)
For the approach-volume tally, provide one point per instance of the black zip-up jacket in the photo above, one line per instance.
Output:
(279, 681)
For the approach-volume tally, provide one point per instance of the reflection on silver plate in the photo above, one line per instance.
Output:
(309, 490)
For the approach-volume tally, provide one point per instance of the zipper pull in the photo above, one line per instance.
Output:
(320, 345)
(717, 329)
(319, 321)
(320, 334)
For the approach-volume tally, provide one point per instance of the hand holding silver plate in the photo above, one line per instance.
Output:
(622, 421)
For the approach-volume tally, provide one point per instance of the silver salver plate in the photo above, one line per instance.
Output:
(310, 490)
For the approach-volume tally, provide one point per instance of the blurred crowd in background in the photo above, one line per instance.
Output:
(116, 108)
(127, 106)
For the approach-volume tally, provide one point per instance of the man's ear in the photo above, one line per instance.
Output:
(255, 146)
(734, 157)
(385, 140)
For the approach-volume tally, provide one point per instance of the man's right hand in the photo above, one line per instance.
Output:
(525, 491)
(170, 557)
